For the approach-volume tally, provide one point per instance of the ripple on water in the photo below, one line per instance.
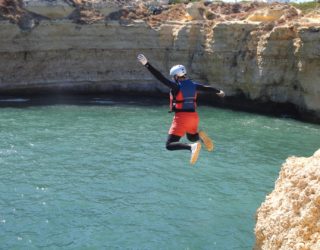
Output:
(14, 100)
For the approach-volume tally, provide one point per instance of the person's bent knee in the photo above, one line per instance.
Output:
(172, 139)
(169, 146)
(193, 137)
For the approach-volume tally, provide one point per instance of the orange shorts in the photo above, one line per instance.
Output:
(184, 122)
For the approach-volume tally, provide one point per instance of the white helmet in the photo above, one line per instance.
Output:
(178, 70)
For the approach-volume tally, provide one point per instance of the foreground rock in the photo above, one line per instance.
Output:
(290, 216)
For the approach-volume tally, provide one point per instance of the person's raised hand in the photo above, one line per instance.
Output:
(221, 94)
(142, 59)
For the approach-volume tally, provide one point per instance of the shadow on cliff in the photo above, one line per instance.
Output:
(237, 103)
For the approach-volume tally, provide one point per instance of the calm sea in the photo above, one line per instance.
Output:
(98, 176)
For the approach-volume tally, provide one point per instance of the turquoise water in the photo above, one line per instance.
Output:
(99, 177)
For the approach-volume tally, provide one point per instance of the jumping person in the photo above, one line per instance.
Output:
(183, 101)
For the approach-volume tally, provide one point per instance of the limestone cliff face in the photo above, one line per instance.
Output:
(61, 54)
(290, 216)
(264, 62)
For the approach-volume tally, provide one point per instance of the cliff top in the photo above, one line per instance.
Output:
(155, 13)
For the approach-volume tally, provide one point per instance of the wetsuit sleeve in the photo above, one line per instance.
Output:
(207, 88)
(172, 85)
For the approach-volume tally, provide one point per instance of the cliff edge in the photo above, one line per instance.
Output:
(266, 54)
(290, 216)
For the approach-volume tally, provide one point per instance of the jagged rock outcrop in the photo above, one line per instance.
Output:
(290, 216)
(269, 14)
(90, 51)
(54, 9)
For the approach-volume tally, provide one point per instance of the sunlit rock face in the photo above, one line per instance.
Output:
(289, 218)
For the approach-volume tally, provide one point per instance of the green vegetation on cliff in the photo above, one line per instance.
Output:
(307, 7)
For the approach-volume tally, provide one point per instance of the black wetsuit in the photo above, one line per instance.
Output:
(173, 140)
(174, 85)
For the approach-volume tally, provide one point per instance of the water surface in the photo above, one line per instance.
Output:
(99, 177)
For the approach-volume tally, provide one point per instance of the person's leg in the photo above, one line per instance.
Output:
(206, 140)
(174, 144)
(180, 125)
(192, 127)
(193, 137)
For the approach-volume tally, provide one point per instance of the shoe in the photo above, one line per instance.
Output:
(206, 141)
(195, 150)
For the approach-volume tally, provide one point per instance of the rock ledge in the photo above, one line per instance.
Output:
(290, 216)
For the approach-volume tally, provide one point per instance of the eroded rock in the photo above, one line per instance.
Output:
(289, 218)
(54, 9)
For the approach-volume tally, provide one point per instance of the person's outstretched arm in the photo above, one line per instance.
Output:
(157, 74)
(208, 88)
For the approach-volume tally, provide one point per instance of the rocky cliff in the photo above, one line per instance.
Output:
(290, 216)
(263, 53)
